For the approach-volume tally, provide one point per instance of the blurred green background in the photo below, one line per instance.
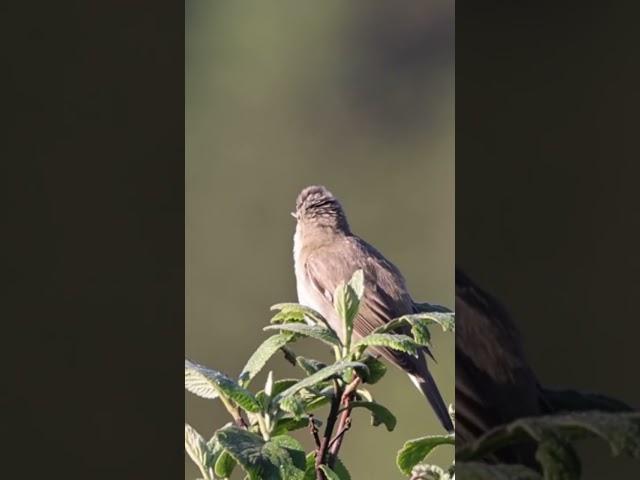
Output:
(358, 96)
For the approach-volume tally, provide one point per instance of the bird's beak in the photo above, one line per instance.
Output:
(294, 215)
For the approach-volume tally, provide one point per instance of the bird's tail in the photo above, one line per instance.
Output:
(425, 383)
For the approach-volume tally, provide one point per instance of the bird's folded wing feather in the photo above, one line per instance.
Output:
(385, 296)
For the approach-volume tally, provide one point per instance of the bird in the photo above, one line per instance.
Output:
(326, 254)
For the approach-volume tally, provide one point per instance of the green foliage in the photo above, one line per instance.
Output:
(275, 459)
(259, 443)
(375, 370)
(261, 356)
(258, 440)
(321, 375)
(319, 332)
(208, 383)
(402, 343)
(414, 451)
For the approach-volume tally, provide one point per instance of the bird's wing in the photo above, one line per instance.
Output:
(385, 295)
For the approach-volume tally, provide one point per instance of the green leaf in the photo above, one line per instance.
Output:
(421, 334)
(330, 474)
(319, 376)
(277, 387)
(275, 459)
(428, 472)
(377, 370)
(208, 383)
(484, 471)
(315, 331)
(357, 283)
(402, 343)
(446, 320)
(414, 451)
(379, 414)
(309, 365)
(225, 465)
(198, 450)
(293, 405)
(295, 311)
(346, 301)
(261, 356)
(289, 424)
(294, 448)
(339, 468)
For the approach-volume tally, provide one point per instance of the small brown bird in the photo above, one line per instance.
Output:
(326, 254)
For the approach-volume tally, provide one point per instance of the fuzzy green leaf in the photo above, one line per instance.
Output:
(377, 370)
(402, 343)
(225, 465)
(198, 450)
(277, 387)
(276, 459)
(295, 311)
(315, 331)
(208, 383)
(330, 474)
(346, 301)
(414, 451)
(339, 468)
(309, 365)
(290, 424)
(292, 404)
(445, 320)
(261, 356)
(319, 376)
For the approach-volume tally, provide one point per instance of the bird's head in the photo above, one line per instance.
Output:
(316, 206)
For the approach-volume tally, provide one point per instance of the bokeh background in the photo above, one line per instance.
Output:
(356, 96)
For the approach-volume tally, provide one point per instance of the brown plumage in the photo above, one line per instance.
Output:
(326, 254)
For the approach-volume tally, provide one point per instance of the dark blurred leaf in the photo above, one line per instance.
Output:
(558, 459)
(620, 430)
(483, 471)
(572, 401)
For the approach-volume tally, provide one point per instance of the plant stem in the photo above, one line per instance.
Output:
(345, 420)
(235, 412)
(328, 431)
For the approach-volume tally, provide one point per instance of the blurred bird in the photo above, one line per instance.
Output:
(494, 383)
(326, 254)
